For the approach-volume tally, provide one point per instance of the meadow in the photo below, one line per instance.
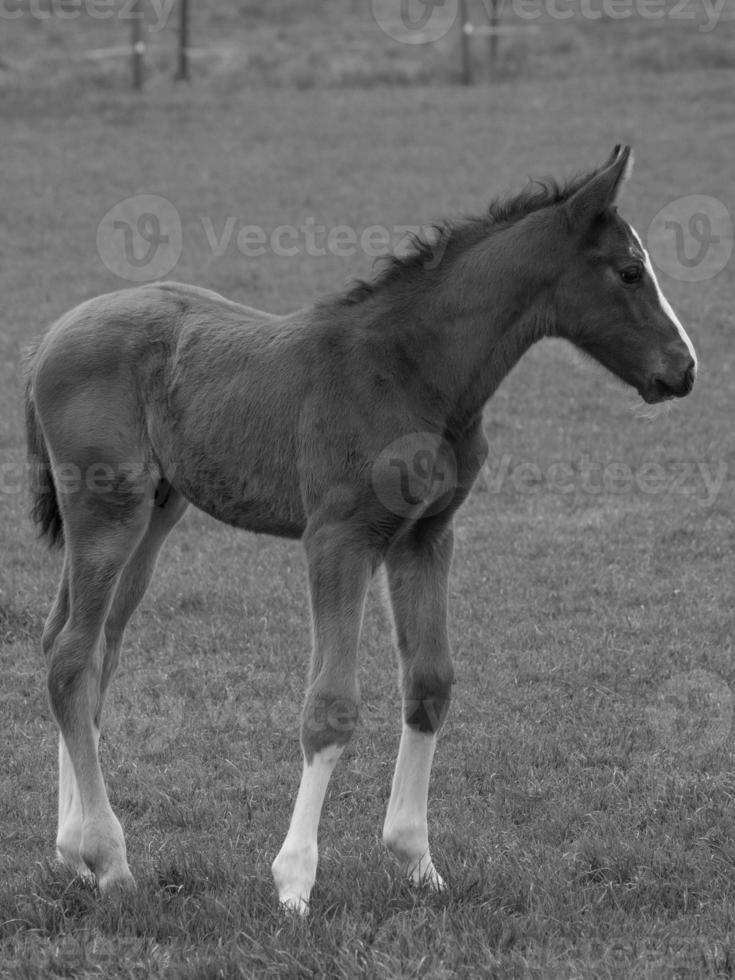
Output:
(581, 806)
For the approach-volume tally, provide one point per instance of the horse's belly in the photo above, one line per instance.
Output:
(266, 507)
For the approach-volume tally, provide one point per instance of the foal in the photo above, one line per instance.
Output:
(354, 424)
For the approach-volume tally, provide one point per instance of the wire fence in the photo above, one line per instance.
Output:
(119, 43)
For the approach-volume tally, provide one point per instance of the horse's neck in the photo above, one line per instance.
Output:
(481, 318)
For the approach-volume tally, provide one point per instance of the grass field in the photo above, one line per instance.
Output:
(582, 798)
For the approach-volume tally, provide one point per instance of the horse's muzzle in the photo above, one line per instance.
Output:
(662, 389)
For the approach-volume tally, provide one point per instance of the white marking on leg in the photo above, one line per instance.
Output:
(294, 869)
(405, 831)
(102, 847)
(664, 303)
(69, 832)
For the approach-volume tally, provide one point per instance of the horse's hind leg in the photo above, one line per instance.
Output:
(418, 570)
(69, 832)
(101, 537)
(131, 588)
(134, 581)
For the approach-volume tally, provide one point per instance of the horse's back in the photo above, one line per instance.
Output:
(99, 331)
(254, 418)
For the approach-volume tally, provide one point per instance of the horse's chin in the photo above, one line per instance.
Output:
(651, 397)
(654, 392)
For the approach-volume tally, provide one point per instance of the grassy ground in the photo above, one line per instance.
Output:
(582, 801)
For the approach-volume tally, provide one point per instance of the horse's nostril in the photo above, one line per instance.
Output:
(663, 389)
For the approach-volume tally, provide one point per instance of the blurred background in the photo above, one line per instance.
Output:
(71, 44)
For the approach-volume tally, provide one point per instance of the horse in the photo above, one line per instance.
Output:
(354, 424)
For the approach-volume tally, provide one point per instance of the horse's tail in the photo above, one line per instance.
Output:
(45, 507)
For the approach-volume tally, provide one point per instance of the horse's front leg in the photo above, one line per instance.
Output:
(418, 570)
(340, 567)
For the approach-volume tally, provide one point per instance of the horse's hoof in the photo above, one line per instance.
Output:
(294, 870)
(116, 883)
(293, 905)
(433, 881)
(71, 859)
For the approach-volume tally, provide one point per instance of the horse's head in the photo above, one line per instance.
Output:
(608, 301)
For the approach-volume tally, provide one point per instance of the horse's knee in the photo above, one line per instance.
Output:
(328, 719)
(427, 693)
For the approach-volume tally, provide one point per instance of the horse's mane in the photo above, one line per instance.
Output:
(453, 236)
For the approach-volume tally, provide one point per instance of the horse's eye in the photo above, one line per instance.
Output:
(631, 274)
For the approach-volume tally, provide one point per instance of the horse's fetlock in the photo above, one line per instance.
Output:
(294, 874)
(407, 842)
(68, 842)
(103, 850)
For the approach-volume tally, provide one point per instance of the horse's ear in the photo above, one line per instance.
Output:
(601, 190)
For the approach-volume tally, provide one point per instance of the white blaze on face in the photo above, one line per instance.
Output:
(665, 305)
